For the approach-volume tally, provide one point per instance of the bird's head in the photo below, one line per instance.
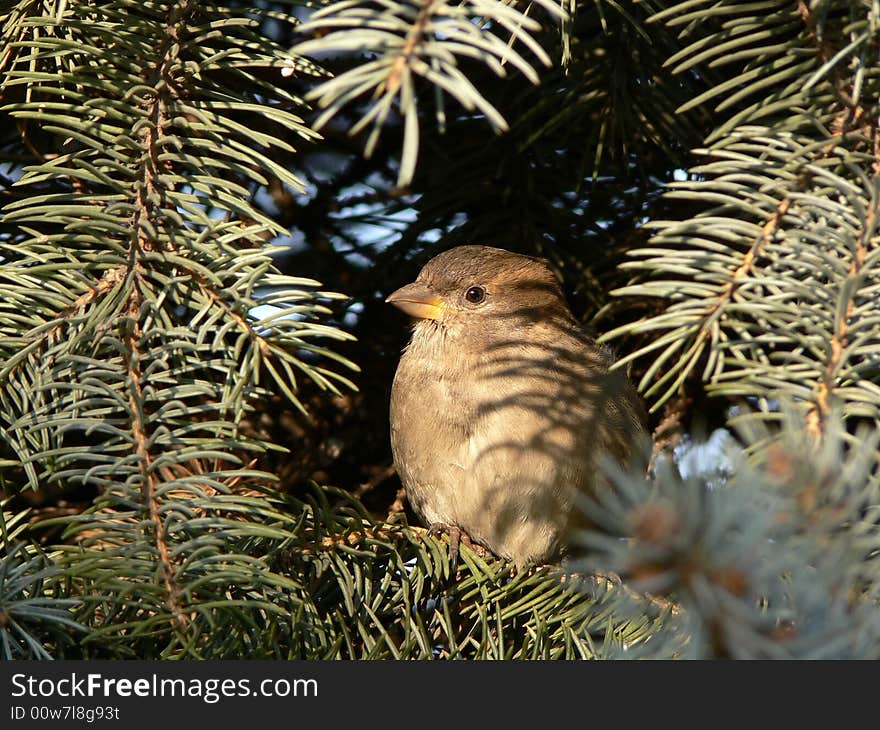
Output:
(478, 287)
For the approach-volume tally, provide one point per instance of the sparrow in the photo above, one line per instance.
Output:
(502, 407)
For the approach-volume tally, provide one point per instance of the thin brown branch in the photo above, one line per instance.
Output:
(398, 505)
(141, 444)
(38, 343)
(824, 53)
(413, 39)
(108, 280)
(242, 323)
(667, 436)
(146, 218)
(818, 413)
(614, 582)
(375, 481)
(853, 113)
(875, 148)
(768, 231)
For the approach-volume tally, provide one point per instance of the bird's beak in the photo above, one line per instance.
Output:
(418, 301)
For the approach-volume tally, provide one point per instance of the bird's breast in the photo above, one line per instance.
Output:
(497, 445)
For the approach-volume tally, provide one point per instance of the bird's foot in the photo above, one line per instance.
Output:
(457, 536)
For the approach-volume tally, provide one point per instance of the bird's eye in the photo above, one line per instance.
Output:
(475, 294)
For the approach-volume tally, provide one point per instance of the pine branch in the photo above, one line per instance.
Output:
(401, 42)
